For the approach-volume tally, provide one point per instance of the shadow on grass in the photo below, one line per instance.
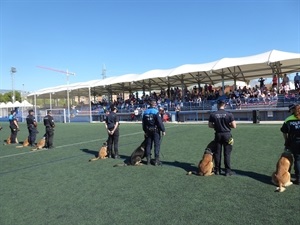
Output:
(256, 176)
(92, 152)
(95, 153)
(183, 165)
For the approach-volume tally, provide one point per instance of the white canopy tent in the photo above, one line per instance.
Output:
(239, 69)
(226, 69)
(6, 107)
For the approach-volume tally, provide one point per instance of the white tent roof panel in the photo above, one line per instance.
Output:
(242, 69)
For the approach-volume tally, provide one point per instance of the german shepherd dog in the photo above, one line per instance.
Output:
(136, 157)
(205, 166)
(282, 177)
(40, 144)
(8, 141)
(102, 154)
(25, 144)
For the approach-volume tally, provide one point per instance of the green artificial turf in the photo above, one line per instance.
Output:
(61, 186)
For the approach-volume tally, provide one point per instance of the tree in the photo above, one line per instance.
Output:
(7, 97)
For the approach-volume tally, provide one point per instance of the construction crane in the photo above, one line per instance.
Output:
(103, 71)
(67, 74)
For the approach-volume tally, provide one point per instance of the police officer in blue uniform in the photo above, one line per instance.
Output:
(31, 125)
(222, 122)
(153, 126)
(291, 135)
(14, 127)
(49, 125)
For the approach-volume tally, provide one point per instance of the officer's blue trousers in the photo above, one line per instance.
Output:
(153, 137)
(32, 135)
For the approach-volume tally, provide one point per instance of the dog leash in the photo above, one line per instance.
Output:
(160, 146)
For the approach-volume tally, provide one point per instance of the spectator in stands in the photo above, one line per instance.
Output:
(14, 127)
(164, 115)
(238, 103)
(297, 81)
(274, 96)
(205, 89)
(274, 81)
(177, 110)
(137, 114)
(209, 88)
(285, 80)
(198, 100)
(112, 127)
(261, 82)
(161, 112)
(232, 102)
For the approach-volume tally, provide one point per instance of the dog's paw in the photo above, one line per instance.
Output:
(288, 184)
(282, 189)
(189, 173)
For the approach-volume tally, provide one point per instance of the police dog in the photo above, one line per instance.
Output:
(282, 177)
(40, 144)
(25, 144)
(205, 166)
(136, 157)
(8, 141)
(102, 154)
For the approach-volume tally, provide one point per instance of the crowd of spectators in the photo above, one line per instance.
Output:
(199, 96)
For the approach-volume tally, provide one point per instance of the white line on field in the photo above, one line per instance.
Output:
(68, 145)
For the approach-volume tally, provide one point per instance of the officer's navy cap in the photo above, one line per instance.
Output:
(112, 108)
(153, 103)
(220, 101)
(292, 106)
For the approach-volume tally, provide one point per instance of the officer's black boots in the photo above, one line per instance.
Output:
(157, 162)
(217, 171)
(148, 160)
(116, 156)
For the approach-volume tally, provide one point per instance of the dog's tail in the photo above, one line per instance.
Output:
(37, 148)
(94, 159)
(280, 187)
(121, 164)
(192, 172)
(20, 146)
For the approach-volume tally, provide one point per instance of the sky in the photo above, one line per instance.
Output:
(134, 36)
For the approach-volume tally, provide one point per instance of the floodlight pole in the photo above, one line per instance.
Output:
(13, 70)
(68, 96)
(22, 96)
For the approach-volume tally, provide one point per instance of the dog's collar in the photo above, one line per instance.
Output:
(208, 151)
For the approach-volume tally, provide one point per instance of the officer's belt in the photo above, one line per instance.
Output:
(151, 129)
